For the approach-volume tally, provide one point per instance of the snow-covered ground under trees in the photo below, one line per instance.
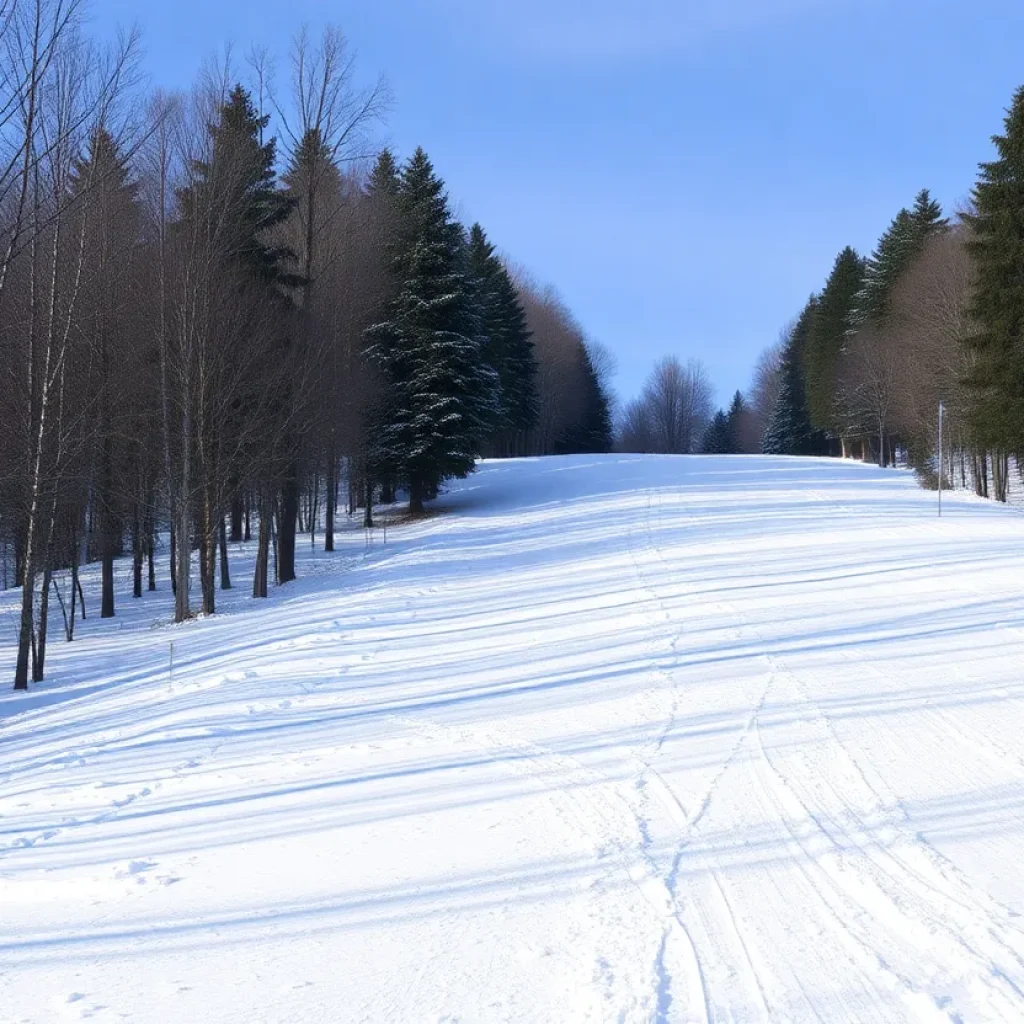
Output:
(610, 739)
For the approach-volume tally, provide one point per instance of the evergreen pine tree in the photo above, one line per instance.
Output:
(235, 196)
(593, 433)
(508, 349)
(738, 419)
(789, 431)
(521, 399)
(927, 215)
(382, 459)
(996, 381)
(899, 244)
(598, 430)
(718, 438)
(312, 184)
(385, 178)
(826, 336)
(429, 346)
(883, 267)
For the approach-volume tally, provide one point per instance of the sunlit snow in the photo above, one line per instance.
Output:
(609, 739)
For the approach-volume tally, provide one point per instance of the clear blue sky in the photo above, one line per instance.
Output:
(684, 179)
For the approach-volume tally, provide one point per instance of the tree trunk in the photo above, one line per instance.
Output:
(39, 652)
(138, 555)
(78, 585)
(104, 499)
(107, 595)
(332, 497)
(25, 632)
(70, 629)
(236, 519)
(225, 572)
(415, 496)
(368, 503)
(286, 527)
(1000, 475)
(183, 569)
(183, 566)
(259, 578)
(981, 474)
(174, 560)
(150, 545)
(208, 559)
(314, 509)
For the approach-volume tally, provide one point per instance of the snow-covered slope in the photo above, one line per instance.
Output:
(612, 739)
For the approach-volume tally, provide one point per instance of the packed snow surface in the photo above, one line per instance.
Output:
(608, 739)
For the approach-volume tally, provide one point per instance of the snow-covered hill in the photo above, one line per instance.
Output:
(612, 739)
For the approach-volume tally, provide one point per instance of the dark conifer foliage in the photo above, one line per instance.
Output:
(882, 269)
(927, 215)
(719, 438)
(240, 181)
(593, 432)
(895, 251)
(430, 346)
(826, 336)
(790, 431)
(996, 379)
(739, 423)
(508, 347)
(725, 433)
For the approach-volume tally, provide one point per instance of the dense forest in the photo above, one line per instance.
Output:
(229, 314)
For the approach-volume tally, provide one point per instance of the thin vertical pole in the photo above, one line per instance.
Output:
(940, 459)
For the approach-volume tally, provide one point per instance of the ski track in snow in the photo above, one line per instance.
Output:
(623, 738)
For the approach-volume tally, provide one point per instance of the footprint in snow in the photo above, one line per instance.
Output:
(131, 798)
(135, 869)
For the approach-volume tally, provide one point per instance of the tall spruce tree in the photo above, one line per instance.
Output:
(790, 431)
(996, 381)
(900, 243)
(592, 433)
(719, 438)
(385, 179)
(826, 336)
(381, 458)
(429, 346)
(508, 349)
(238, 185)
(882, 269)
(927, 215)
(738, 419)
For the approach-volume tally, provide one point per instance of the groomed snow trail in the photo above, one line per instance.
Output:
(610, 739)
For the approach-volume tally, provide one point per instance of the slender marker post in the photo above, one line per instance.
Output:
(941, 410)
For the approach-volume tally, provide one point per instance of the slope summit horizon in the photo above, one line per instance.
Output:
(613, 738)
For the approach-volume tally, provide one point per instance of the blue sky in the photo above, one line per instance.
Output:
(682, 172)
